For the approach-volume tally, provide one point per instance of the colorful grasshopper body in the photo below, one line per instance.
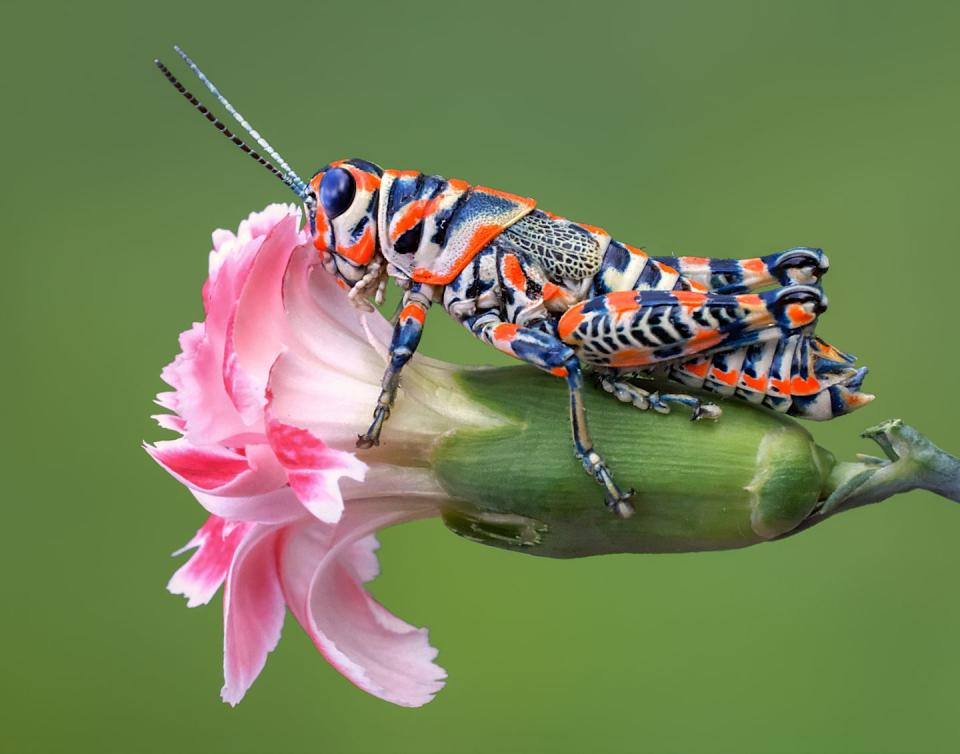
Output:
(564, 296)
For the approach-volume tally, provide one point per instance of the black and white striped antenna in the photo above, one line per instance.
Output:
(284, 172)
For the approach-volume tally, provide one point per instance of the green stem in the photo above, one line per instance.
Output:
(913, 462)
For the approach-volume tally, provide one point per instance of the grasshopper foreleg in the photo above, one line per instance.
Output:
(406, 338)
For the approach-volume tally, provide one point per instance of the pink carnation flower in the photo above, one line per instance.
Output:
(268, 395)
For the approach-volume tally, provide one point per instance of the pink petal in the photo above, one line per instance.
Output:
(329, 377)
(229, 249)
(334, 404)
(199, 397)
(277, 507)
(200, 577)
(253, 611)
(230, 264)
(374, 649)
(254, 336)
(313, 469)
(363, 558)
(220, 470)
(322, 323)
(261, 223)
(170, 421)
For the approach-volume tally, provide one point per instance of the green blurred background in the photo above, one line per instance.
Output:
(699, 128)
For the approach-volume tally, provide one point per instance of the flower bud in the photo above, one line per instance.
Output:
(751, 476)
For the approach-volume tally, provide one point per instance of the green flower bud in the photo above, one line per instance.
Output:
(749, 477)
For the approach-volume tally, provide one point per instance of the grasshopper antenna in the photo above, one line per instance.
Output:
(293, 183)
(242, 121)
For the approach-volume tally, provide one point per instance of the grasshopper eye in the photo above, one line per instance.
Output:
(337, 190)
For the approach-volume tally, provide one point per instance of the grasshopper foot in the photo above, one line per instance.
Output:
(371, 437)
(616, 501)
(705, 411)
(659, 402)
(621, 506)
(698, 408)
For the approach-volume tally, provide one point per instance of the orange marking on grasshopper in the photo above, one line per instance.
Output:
(409, 217)
(593, 229)
(551, 291)
(698, 369)
(505, 332)
(423, 275)
(755, 383)
(781, 386)
(689, 297)
(799, 316)
(754, 265)
(634, 250)
(631, 357)
(570, 321)
(666, 268)
(320, 240)
(514, 272)
(366, 181)
(727, 378)
(412, 311)
(690, 300)
(559, 372)
(804, 386)
(402, 173)
(362, 251)
(483, 235)
(703, 340)
(622, 301)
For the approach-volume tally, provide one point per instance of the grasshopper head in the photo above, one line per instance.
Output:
(342, 212)
(340, 200)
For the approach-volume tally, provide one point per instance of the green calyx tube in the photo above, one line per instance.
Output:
(749, 477)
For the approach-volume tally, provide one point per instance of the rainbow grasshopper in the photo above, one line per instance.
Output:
(564, 296)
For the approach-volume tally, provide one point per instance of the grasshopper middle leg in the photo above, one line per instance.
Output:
(406, 337)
